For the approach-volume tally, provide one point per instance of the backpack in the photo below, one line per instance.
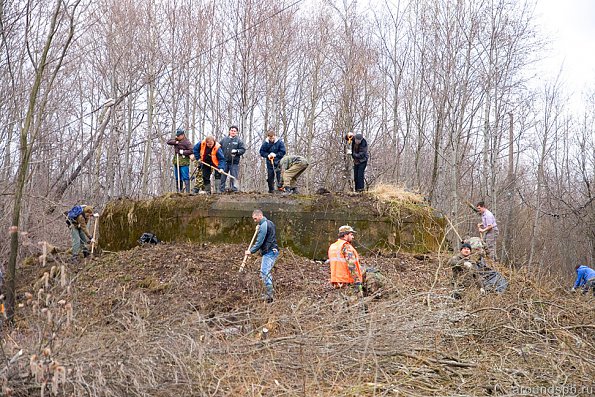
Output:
(148, 238)
(75, 212)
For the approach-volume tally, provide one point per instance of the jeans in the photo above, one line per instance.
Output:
(79, 239)
(232, 169)
(358, 176)
(266, 268)
(185, 174)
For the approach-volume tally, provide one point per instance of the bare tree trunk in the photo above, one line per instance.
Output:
(26, 146)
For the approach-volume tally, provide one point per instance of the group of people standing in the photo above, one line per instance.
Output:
(223, 159)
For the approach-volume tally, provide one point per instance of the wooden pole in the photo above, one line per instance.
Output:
(94, 234)
(179, 177)
(250, 246)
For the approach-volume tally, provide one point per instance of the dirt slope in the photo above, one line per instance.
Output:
(178, 319)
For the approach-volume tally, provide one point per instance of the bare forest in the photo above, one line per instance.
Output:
(444, 91)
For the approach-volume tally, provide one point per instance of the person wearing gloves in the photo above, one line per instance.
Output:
(233, 148)
(181, 160)
(344, 261)
(211, 156)
(359, 152)
(273, 150)
(77, 219)
(585, 278)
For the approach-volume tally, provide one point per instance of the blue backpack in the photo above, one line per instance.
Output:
(75, 212)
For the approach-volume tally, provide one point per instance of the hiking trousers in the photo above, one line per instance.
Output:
(79, 241)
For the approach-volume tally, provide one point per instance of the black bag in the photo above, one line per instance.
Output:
(148, 238)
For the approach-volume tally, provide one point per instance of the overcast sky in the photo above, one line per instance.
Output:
(570, 24)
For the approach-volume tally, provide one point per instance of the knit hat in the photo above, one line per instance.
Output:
(358, 138)
(180, 131)
(88, 209)
(465, 245)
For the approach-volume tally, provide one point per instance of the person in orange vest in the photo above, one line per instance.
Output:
(344, 261)
(209, 152)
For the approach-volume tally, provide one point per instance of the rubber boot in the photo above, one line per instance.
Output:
(208, 188)
(187, 186)
(269, 295)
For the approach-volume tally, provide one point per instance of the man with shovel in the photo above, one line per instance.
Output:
(211, 158)
(273, 150)
(77, 219)
(266, 242)
(181, 160)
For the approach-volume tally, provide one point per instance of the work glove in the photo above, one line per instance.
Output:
(182, 151)
(234, 151)
(482, 291)
(349, 152)
(221, 170)
(272, 155)
(359, 287)
(468, 265)
(92, 240)
(96, 215)
(572, 289)
(192, 157)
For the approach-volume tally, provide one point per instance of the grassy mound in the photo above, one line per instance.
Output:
(180, 320)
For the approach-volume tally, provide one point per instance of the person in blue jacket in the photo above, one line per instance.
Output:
(585, 277)
(273, 150)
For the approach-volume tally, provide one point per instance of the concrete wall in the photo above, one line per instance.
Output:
(305, 224)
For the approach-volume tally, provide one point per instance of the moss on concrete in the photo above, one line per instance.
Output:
(305, 224)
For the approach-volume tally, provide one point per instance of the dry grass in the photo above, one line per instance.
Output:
(169, 343)
(386, 192)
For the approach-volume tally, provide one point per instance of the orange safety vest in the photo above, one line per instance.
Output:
(339, 267)
(203, 146)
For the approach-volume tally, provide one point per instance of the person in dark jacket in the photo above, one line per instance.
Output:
(273, 150)
(181, 160)
(359, 153)
(266, 242)
(233, 148)
(211, 156)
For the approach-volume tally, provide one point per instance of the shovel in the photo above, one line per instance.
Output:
(96, 216)
(250, 246)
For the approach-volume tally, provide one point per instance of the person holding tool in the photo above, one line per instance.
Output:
(77, 219)
(210, 157)
(358, 150)
(273, 150)
(233, 148)
(181, 160)
(266, 242)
